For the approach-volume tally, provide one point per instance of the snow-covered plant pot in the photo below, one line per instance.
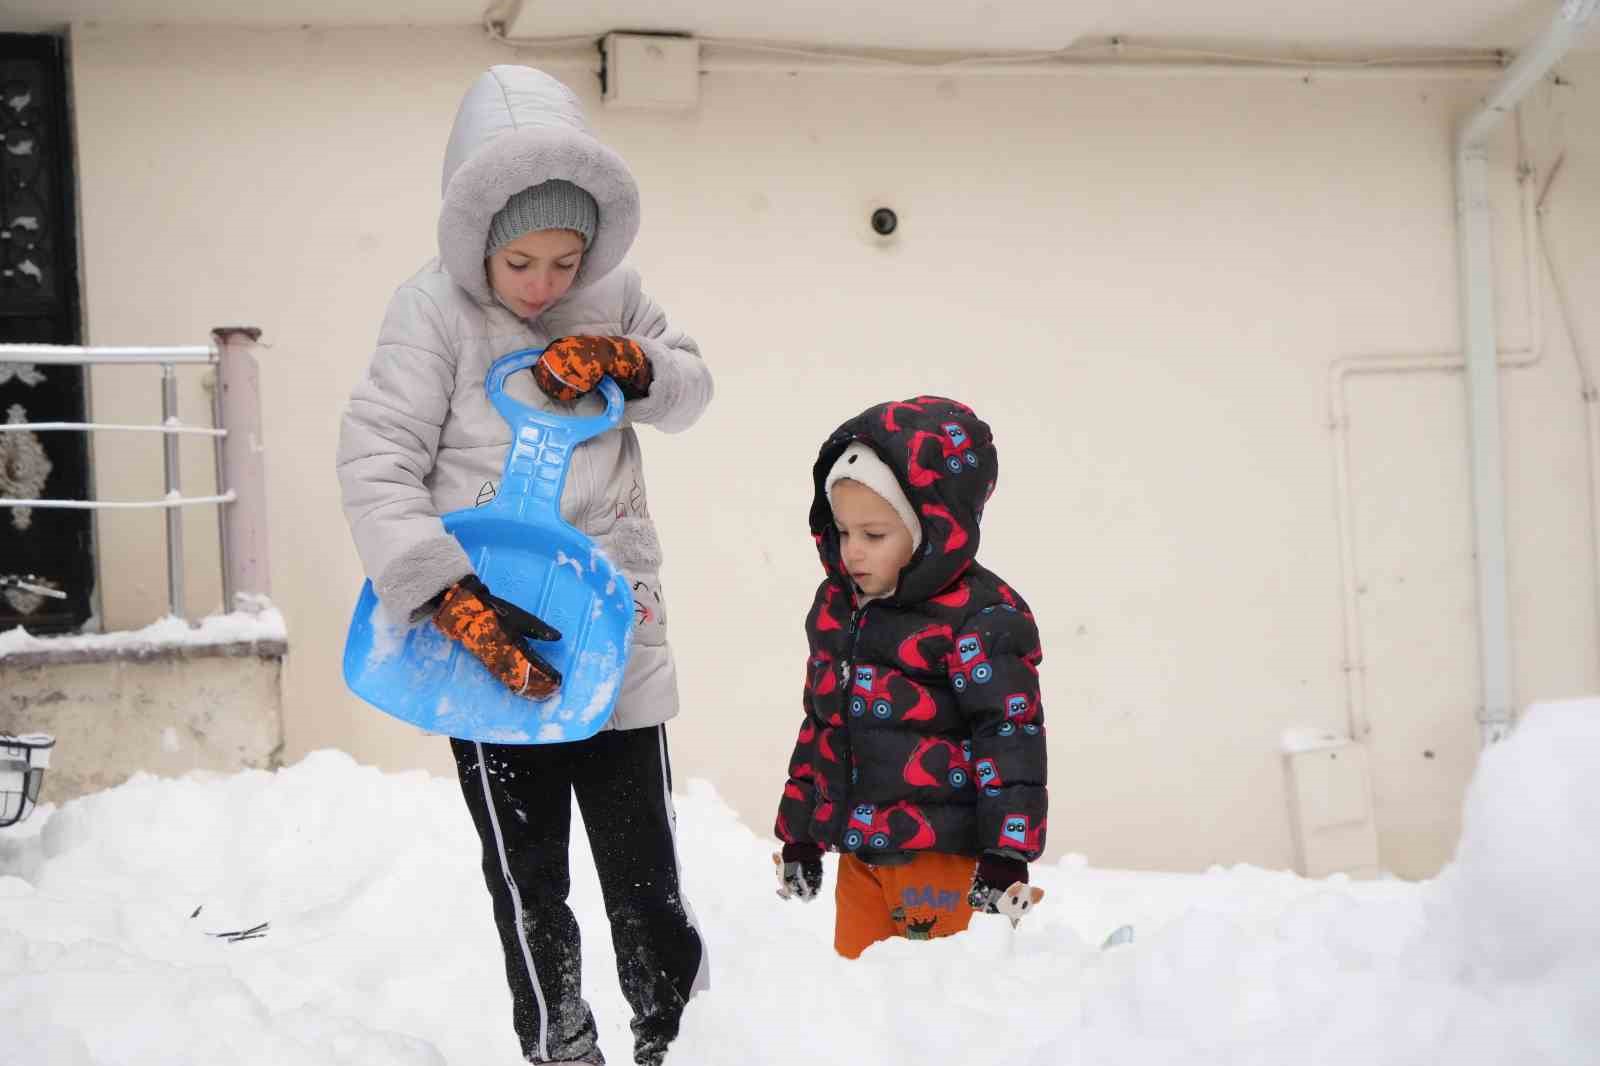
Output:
(23, 761)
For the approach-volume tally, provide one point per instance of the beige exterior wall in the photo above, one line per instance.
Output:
(1141, 282)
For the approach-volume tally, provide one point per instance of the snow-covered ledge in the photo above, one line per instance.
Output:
(220, 635)
(166, 699)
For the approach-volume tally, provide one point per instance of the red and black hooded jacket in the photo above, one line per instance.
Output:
(922, 728)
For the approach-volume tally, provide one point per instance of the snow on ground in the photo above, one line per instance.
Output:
(380, 948)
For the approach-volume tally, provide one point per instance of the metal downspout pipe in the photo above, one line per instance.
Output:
(1476, 268)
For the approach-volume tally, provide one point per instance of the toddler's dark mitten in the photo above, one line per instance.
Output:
(1000, 886)
(799, 868)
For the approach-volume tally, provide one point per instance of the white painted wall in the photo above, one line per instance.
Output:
(1140, 282)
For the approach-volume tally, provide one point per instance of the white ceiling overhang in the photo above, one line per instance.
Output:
(1350, 28)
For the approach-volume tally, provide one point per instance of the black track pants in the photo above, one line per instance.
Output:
(520, 797)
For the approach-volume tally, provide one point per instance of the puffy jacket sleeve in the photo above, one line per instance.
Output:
(682, 388)
(995, 676)
(800, 790)
(388, 439)
(806, 787)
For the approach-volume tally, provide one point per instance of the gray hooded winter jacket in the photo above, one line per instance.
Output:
(419, 437)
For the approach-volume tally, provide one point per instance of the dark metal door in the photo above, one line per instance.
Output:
(39, 304)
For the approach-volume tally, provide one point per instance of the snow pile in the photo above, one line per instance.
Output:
(380, 948)
(263, 622)
(1522, 900)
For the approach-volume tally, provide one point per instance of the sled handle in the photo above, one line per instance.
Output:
(541, 441)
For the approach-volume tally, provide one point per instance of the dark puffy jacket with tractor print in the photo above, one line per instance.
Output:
(922, 728)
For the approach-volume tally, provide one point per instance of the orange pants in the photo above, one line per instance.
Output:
(925, 898)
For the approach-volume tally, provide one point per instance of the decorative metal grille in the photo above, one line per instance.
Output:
(28, 199)
(40, 549)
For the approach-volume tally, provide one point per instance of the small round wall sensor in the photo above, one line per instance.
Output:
(884, 221)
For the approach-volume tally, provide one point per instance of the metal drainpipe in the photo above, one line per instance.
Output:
(1478, 337)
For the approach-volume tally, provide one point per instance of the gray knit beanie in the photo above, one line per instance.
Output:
(553, 204)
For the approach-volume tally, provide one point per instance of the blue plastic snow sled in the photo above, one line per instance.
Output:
(526, 553)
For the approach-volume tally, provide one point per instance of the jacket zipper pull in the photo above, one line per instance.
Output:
(848, 662)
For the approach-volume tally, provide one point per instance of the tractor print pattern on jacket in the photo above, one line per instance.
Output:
(922, 727)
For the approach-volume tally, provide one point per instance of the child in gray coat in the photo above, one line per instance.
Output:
(536, 218)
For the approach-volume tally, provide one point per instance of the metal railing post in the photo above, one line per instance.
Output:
(241, 468)
(169, 459)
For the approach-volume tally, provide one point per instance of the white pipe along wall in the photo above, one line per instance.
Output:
(1588, 389)
(1476, 268)
(1116, 57)
(1354, 666)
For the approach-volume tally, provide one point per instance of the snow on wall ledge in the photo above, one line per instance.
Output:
(260, 631)
(166, 699)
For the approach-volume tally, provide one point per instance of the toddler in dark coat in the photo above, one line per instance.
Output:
(921, 755)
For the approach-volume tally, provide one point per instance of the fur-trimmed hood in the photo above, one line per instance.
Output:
(517, 127)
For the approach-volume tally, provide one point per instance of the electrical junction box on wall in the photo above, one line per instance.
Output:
(1330, 804)
(649, 72)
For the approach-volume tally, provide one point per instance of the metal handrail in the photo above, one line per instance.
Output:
(86, 427)
(112, 505)
(238, 464)
(78, 355)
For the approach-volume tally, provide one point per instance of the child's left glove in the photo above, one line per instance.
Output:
(573, 366)
(1000, 886)
(799, 871)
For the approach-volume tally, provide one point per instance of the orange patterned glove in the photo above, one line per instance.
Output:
(572, 366)
(494, 631)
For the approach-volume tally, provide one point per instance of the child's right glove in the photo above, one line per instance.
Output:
(799, 871)
(493, 630)
(1000, 886)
